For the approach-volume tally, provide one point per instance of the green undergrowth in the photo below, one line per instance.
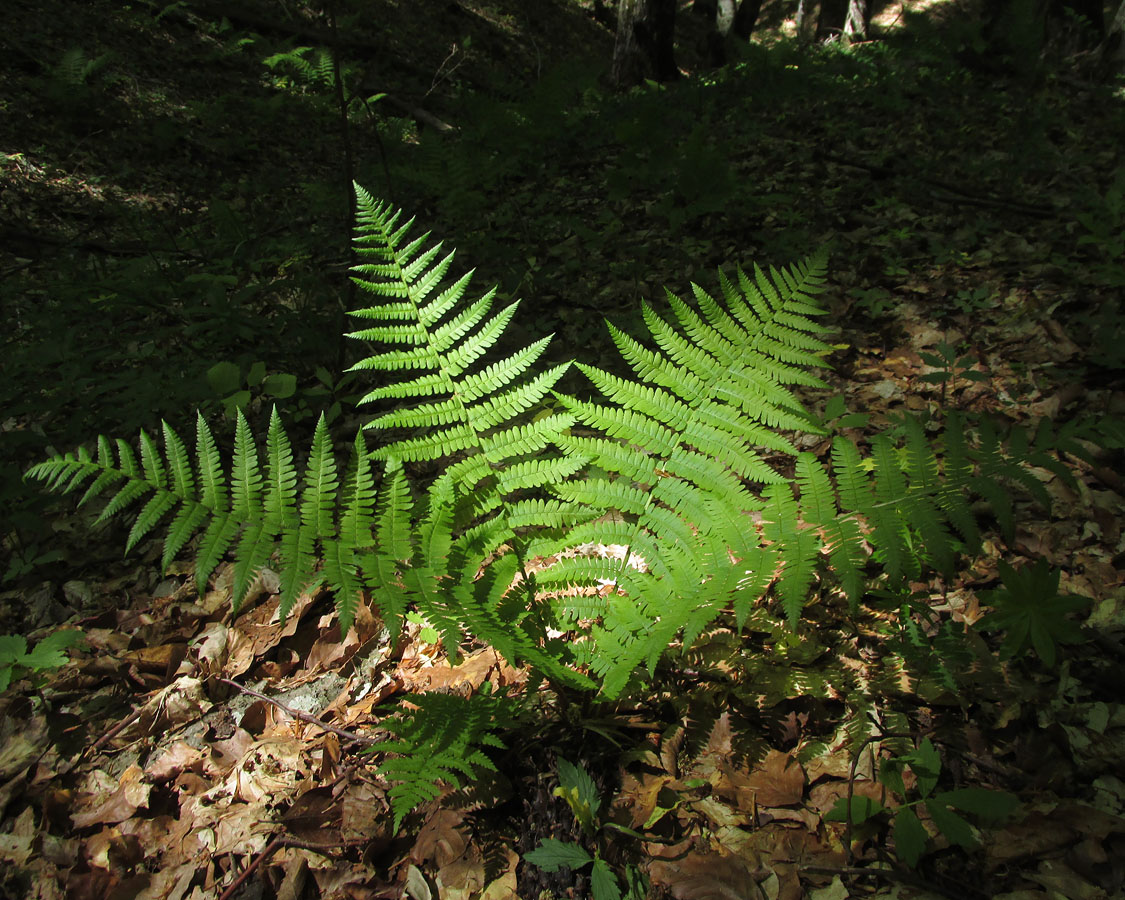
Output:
(665, 520)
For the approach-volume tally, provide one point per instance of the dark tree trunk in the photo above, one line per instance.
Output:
(604, 14)
(746, 18)
(1022, 30)
(830, 22)
(720, 15)
(1113, 48)
(857, 20)
(645, 42)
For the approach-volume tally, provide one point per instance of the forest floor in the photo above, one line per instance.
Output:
(173, 235)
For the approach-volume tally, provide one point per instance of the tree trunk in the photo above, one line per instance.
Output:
(830, 22)
(855, 25)
(747, 17)
(645, 42)
(805, 18)
(1113, 47)
(720, 15)
(1023, 29)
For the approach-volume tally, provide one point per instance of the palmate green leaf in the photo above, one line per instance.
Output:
(49, 652)
(1031, 612)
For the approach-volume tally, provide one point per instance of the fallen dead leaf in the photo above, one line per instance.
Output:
(778, 780)
(440, 839)
(130, 794)
(708, 876)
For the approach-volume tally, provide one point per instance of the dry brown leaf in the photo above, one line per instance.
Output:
(130, 794)
(180, 702)
(177, 758)
(113, 851)
(364, 812)
(463, 877)
(169, 883)
(17, 845)
(265, 629)
(440, 839)
(823, 796)
(22, 746)
(778, 780)
(160, 660)
(708, 876)
(225, 754)
(486, 665)
(639, 797)
(504, 887)
(314, 816)
(242, 828)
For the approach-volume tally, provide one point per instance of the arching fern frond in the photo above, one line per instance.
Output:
(686, 459)
(257, 513)
(442, 740)
(478, 412)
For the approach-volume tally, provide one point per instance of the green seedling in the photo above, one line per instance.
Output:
(236, 389)
(911, 840)
(1032, 612)
(950, 366)
(577, 788)
(16, 661)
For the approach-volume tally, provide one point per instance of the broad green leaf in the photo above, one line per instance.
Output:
(604, 882)
(925, 763)
(956, 830)
(576, 782)
(988, 805)
(49, 652)
(12, 649)
(552, 855)
(862, 809)
(280, 386)
(910, 837)
(224, 377)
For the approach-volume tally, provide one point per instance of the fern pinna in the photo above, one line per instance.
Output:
(681, 478)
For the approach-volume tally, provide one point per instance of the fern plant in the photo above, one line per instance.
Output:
(584, 542)
(440, 741)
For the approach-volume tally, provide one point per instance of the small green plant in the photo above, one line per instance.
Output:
(911, 839)
(1105, 226)
(485, 471)
(75, 68)
(875, 302)
(313, 66)
(1031, 612)
(236, 387)
(970, 300)
(26, 558)
(577, 788)
(950, 366)
(16, 661)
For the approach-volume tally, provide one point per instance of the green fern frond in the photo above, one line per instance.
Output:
(442, 740)
(798, 549)
(684, 442)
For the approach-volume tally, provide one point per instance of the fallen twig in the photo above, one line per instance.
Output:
(303, 716)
